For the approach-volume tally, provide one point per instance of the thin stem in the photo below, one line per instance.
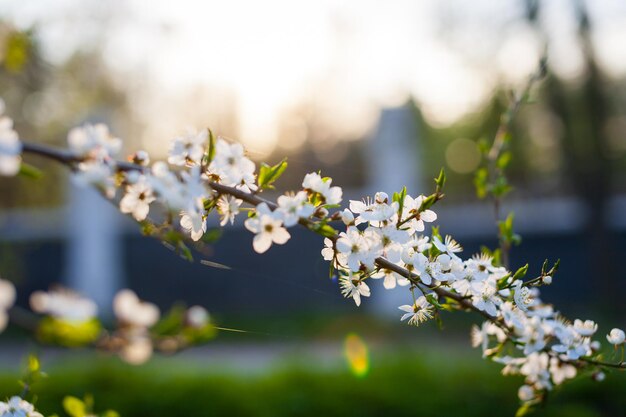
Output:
(497, 147)
(620, 365)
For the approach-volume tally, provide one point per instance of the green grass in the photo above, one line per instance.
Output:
(401, 384)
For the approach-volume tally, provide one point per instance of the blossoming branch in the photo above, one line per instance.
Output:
(381, 238)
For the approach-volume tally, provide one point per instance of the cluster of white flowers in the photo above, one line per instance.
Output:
(17, 407)
(529, 337)
(95, 147)
(181, 185)
(7, 299)
(135, 318)
(64, 304)
(10, 145)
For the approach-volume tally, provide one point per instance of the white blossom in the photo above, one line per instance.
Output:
(267, 227)
(188, 149)
(7, 299)
(93, 141)
(571, 344)
(137, 350)
(449, 246)
(521, 295)
(347, 217)
(375, 211)
(419, 312)
(168, 186)
(585, 328)
(561, 371)
(328, 253)
(391, 240)
(391, 278)
(232, 167)
(193, 221)
(197, 316)
(535, 368)
(228, 208)
(411, 209)
(356, 248)
(487, 300)
(315, 183)
(616, 337)
(17, 407)
(96, 172)
(137, 199)
(130, 310)
(526, 393)
(10, 145)
(64, 304)
(354, 287)
(292, 208)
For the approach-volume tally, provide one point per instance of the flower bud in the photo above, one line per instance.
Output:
(381, 198)
(197, 316)
(598, 376)
(616, 337)
(526, 393)
(547, 280)
(140, 158)
(321, 213)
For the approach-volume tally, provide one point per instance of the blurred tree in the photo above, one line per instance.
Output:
(584, 108)
(44, 100)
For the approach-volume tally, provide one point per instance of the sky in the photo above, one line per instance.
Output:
(346, 59)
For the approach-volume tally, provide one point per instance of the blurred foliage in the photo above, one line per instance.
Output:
(52, 330)
(400, 384)
(45, 100)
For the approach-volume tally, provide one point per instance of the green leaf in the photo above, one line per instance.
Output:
(184, 251)
(212, 235)
(210, 153)
(480, 182)
(29, 171)
(428, 202)
(209, 204)
(502, 282)
(33, 364)
(269, 174)
(523, 410)
(440, 181)
(147, 228)
(501, 187)
(483, 146)
(520, 273)
(325, 230)
(433, 300)
(504, 160)
(172, 322)
(399, 198)
(435, 232)
(67, 333)
(74, 407)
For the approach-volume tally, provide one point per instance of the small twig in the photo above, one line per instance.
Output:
(498, 145)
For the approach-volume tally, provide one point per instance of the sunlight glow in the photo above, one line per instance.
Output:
(245, 65)
(357, 355)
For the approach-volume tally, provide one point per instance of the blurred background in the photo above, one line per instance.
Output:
(376, 95)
